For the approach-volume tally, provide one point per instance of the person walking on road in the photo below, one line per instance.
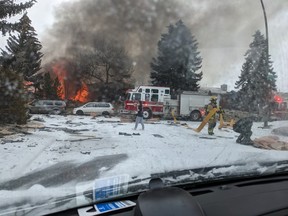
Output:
(139, 116)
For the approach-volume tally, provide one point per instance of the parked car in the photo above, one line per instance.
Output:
(98, 108)
(47, 107)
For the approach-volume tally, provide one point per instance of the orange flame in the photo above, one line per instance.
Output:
(60, 72)
(60, 90)
(70, 88)
(82, 94)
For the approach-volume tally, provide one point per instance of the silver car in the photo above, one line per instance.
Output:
(97, 108)
(47, 107)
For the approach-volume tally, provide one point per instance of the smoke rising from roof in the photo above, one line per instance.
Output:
(223, 29)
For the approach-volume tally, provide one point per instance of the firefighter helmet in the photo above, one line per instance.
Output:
(213, 99)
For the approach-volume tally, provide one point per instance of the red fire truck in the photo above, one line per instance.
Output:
(157, 101)
(152, 98)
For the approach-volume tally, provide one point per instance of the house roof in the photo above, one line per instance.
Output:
(213, 90)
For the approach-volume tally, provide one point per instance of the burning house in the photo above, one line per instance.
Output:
(72, 87)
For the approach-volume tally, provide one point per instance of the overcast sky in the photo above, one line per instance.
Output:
(42, 16)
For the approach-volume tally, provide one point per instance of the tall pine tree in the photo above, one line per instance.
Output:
(25, 50)
(51, 88)
(178, 62)
(258, 79)
(12, 97)
(12, 92)
(9, 8)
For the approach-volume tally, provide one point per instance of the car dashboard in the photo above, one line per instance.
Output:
(262, 196)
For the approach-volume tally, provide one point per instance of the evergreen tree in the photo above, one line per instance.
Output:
(9, 8)
(37, 82)
(12, 92)
(51, 89)
(178, 60)
(258, 79)
(12, 97)
(25, 49)
(48, 90)
(107, 63)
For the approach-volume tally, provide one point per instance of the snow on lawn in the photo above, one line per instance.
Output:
(161, 147)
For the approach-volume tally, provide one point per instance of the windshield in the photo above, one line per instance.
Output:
(198, 93)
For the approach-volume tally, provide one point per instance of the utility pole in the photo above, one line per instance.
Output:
(266, 25)
(267, 111)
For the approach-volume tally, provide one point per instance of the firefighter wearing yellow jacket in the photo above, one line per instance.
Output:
(212, 120)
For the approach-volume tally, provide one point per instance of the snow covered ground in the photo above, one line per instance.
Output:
(61, 142)
(161, 147)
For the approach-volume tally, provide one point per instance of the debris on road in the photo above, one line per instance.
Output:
(80, 140)
(158, 135)
(153, 121)
(271, 142)
(4, 141)
(8, 130)
(125, 134)
(205, 137)
(5, 132)
(38, 119)
(127, 118)
(283, 131)
(22, 130)
(72, 131)
(32, 145)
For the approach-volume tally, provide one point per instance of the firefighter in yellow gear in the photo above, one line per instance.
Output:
(212, 120)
